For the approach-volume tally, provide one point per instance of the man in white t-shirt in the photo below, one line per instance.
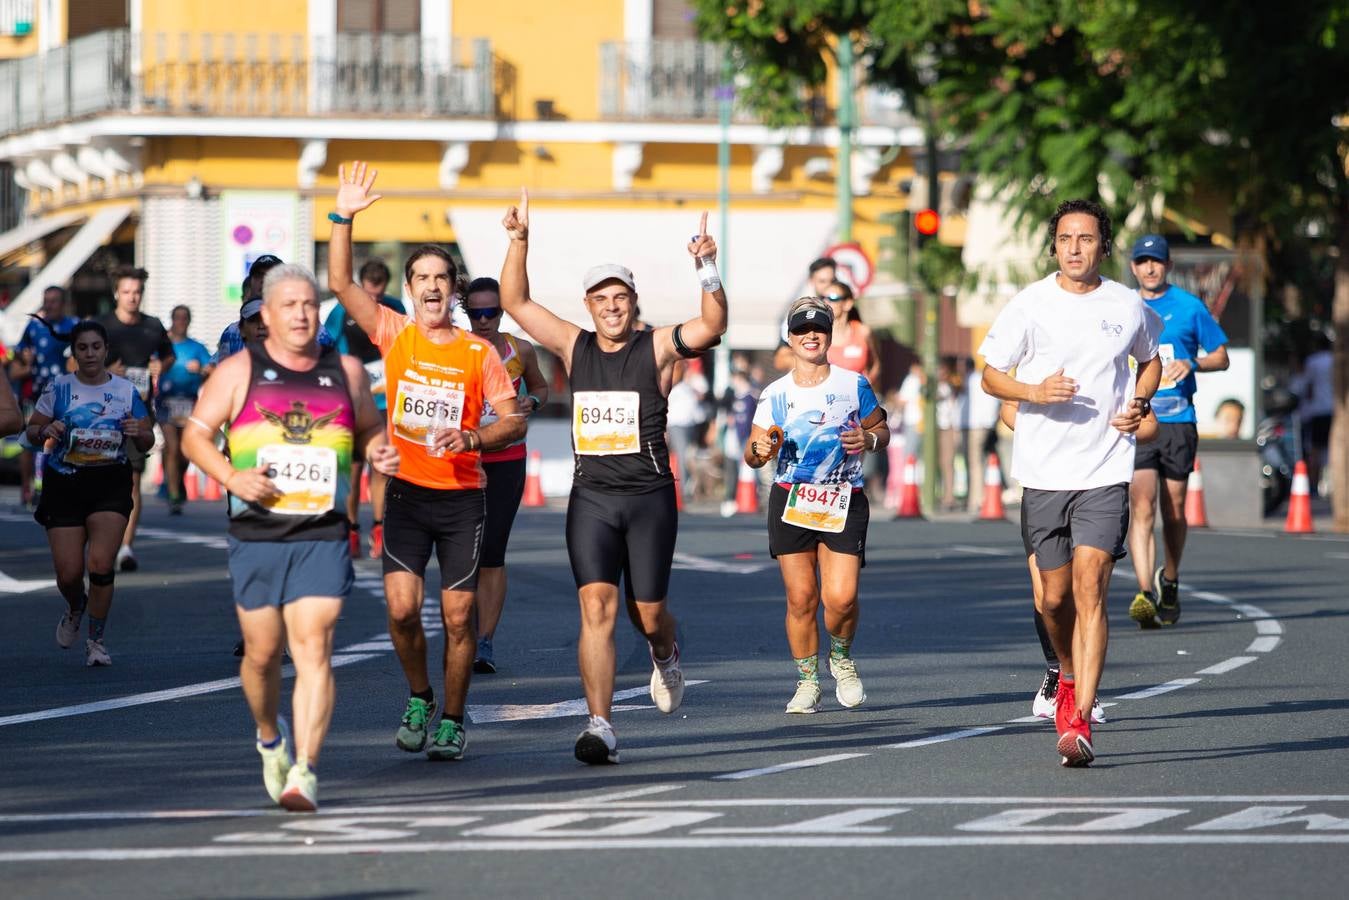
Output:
(1069, 336)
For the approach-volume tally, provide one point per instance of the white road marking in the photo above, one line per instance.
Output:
(1227, 665)
(985, 551)
(849, 822)
(1263, 644)
(9, 585)
(703, 564)
(784, 767)
(515, 712)
(1268, 626)
(1159, 689)
(947, 736)
(628, 795)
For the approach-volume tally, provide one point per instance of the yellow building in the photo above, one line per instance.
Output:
(190, 136)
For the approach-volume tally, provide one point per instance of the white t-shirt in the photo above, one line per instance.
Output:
(911, 395)
(1071, 446)
(981, 409)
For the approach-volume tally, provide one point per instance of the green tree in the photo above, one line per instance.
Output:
(1122, 101)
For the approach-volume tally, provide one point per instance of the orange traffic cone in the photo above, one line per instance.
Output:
(894, 481)
(212, 489)
(365, 485)
(747, 491)
(1195, 515)
(1299, 503)
(679, 488)
(909, 505)
(533, 481)
(992, 509)
(191, 484)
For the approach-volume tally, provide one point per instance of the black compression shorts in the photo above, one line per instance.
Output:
(505, 487)
(418, 519)
(67, 500)
(629, 534)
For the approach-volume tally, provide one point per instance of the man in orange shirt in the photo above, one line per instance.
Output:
(437, 378)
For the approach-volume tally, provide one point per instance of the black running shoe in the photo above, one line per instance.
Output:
(1168, 598)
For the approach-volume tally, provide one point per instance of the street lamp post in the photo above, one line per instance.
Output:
(846, 116)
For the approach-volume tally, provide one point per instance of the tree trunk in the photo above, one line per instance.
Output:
(1339, 431)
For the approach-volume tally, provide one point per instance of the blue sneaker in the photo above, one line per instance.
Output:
(485, 662)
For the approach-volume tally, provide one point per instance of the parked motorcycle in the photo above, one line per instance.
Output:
(1279, 439)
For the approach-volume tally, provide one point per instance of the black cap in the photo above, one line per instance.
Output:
(812, 316)
(260, 267)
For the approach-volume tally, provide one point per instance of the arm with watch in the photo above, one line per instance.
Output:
(872, 437)
(353, 195)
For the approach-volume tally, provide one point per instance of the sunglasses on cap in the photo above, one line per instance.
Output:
(836, 298)
(483, 313)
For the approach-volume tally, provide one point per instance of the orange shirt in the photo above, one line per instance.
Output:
(425, 378)
(854, 353)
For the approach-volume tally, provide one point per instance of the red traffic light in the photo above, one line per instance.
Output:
(926, 222)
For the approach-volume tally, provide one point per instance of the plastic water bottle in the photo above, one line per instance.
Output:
(439, 419)
(708, 274)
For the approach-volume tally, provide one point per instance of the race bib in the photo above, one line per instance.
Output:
(604, 423)
(375, 371)
(140, 380)
(94, 446)
(179, 408)
(417, 407)
(819, 507)
(1168, 354)
(305, 476)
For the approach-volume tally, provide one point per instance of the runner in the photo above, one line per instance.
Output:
(11, 417)
(374, 278)
(505, 469)
(39, 357)
(86, 420)
(295, 413)
(1187, 327)
(440, 378)
(248, 327)
(852, 346)
(176, 396)
(621, 517)
(822, 418)
(139, 350)
(1073, 449)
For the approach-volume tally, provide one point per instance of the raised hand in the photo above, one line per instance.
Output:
(1057, 388)
(353, 190)
(701, 245)
(516, 220)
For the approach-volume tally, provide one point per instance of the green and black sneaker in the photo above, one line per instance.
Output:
(1144, 610)
(412, 731)
(449, 743)
(1168, 598)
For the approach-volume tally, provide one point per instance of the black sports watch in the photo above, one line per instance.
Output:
(1146, 404)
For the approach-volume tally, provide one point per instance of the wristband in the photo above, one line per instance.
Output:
(338, 220)
(537, 402)
(875, 440)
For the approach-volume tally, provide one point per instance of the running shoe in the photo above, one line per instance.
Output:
(1144, 610)
(68, 629)
(412, 733)
(485, 662)
(847, 686)
(377, 540)
(1168, 598)
(1097, 714)
(276, 761)
(806, 700)
(126, 560)
(1065, 705)
(95, 654)
(450, 741)
(301, 793)
(175, 507)
(1043, 705)
(597, 745)
(667, 683)
(1074, 744)
(354, 540)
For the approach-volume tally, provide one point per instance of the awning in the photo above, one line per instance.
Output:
(769, 255)
(22, 235)
(61, 267)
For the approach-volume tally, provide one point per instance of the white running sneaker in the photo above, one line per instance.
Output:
(667, 683)
(806, 700)
(277, 762)
(728, 509)
(301, 793)
(1097, 714)
(597, 744)
(126, 560)
(95, 654)
(68, 629)
(847, 686)
(1043, 705)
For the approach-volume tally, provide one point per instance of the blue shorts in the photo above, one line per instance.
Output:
(273, 573)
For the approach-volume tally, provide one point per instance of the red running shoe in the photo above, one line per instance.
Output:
(1065, 705)
(377, 540)
(354, 537)
(1075, 743)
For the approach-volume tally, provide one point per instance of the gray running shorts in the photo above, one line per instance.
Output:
(1054, 523)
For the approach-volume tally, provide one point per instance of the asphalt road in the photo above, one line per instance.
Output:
(1220, 774)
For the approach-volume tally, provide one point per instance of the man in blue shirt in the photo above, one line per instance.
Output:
(39, 357)
(1187, 327)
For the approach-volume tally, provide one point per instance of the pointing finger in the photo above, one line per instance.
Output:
(524, 203)
(702, 225)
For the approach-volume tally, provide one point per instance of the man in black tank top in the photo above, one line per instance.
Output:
(621, 517)
(297, 413)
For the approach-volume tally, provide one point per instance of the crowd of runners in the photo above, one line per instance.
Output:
(291, 413)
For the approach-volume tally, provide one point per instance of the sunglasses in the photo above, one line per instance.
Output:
(836, 298)
(809, 329)
(483, 313)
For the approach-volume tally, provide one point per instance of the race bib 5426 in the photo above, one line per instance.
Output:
(305, 476)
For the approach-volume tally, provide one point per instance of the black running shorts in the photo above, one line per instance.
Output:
(784, 538)
(67, 500)
(628, 534)
(505, 487)
(1172, 452)
(419, 519)
(1054, 523)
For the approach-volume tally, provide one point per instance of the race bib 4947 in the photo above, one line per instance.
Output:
(819, 507)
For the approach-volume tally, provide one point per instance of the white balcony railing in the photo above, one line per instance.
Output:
(16, 17)
(662, 79)
(205, 74)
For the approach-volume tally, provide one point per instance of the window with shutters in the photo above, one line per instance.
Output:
(88, 16)
(379, 53)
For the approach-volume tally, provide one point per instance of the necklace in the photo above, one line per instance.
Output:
(802, 382)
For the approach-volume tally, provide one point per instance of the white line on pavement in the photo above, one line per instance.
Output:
(783, 767)
(703, 564)
(943, 738)
(985, 551)
(1263, 644)
(1227, 665)
(1158, 689)
(628, 795)
(10, 585)
(515, 712)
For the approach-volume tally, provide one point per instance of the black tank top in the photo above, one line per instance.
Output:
(603, 385)
(300, 425)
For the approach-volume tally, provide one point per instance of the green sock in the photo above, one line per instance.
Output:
(808, 668)
(839, 647)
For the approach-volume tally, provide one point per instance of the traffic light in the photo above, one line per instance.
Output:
(927, 222)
